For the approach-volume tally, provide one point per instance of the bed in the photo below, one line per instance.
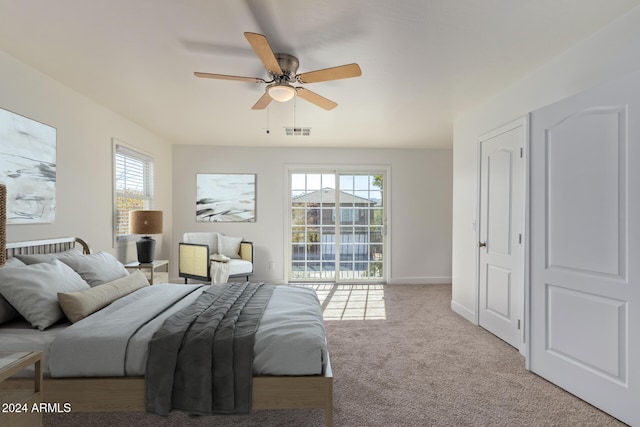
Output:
(127, 393)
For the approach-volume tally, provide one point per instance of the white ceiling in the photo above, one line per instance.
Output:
(423, 61)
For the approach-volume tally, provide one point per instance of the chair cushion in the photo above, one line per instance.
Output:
(209, 238)
(239, 267)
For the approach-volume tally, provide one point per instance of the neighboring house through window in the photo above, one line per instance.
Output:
(133, 186)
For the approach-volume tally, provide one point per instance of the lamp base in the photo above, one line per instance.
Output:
(146, 247)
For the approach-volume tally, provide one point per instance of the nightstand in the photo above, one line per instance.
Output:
(150, 270)
(18, 404)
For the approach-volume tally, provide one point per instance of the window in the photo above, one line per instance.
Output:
(337, 230)
(133, 183)
(346, 215)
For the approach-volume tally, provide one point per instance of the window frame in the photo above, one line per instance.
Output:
(127, 150)
(383, 226)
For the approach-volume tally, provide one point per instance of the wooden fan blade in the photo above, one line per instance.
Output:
(263, 102)
(261, 47)
(226, 77)
(314, 98)
(334, 73)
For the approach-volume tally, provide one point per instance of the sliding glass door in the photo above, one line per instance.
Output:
(337, 226)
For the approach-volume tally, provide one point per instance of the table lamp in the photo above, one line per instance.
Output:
(145, 222)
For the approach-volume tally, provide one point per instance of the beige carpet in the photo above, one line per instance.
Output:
(422, 365)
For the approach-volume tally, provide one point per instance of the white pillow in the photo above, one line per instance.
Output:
(13, 262)
(229, 246)
(98, 268)
(78, 305)
(7, 312)
(33, 290)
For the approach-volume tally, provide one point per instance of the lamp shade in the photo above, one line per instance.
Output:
(145, 222)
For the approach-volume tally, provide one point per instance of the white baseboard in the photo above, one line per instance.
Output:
(463, 311)
(419, 281)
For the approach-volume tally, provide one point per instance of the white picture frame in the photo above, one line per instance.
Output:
(28, 168)
(225, 197)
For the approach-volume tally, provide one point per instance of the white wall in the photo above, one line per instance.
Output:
(420, 205)
(84, 159)
(609, 53)
(420, 183)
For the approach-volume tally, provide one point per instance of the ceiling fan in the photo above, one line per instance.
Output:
(282, 69)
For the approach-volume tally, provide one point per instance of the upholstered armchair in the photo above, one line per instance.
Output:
(201, 252)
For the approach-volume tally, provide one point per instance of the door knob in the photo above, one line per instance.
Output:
(482, 244)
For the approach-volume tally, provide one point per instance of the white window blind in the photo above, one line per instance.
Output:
(133, 185)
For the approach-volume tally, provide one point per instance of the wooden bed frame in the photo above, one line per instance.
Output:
(127, 393)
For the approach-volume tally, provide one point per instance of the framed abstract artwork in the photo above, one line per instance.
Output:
(28, 168)
(225, 197)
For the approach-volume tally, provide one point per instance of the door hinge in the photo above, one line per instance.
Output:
(520, 238)
(521, 152)
(518, 324)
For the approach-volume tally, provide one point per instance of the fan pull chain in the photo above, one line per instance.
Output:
(268, 127)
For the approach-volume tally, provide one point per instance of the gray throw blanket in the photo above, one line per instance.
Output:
(201, 359)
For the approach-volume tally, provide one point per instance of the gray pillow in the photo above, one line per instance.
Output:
(98, 268)
(33, 290)
(229, 246)
(38, 258)
(7, 312)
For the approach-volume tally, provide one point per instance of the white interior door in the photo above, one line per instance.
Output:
(501, 234)
(585, 246)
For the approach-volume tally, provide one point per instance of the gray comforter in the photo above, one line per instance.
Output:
(114, 341)
(201, 360)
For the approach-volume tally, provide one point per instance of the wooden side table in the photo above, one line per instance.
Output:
(149, 269)
(17, 405)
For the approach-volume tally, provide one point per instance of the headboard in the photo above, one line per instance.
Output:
(47, 246)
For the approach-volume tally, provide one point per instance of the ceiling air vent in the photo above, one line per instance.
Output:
(297, 131)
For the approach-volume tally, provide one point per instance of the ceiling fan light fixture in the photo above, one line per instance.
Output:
(282, 92)
(282, 69)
